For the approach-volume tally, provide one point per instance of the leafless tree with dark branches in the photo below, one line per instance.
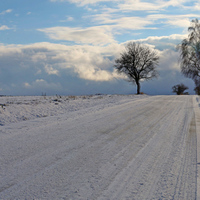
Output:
(138, 62)
(179, 89)
(190, 51)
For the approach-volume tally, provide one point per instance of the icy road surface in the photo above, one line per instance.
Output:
(142, 148)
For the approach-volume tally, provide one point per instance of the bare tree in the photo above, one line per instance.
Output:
(190, 51)
(138, 62)
(179, 89)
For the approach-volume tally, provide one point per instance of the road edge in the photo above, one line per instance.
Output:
(196, 104)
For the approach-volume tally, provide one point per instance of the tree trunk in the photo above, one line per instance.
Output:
(138, 87)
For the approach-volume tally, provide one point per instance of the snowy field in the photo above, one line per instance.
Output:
(108, 147)
(16, 109)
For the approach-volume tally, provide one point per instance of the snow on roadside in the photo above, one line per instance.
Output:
(21, 108)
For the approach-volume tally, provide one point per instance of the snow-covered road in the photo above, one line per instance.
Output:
(143, 148)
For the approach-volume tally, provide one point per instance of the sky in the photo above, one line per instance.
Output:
(69, 47)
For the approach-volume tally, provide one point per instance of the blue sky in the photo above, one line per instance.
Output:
(68, 47)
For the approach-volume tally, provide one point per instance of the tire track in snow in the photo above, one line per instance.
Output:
(135, 178)
(143, 149)
(196, 103)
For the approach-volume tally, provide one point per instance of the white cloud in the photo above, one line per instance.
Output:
(4, 27)
(43, 66)
(87, 62)
(132, 4)
(92, 35)
(180, 22)
(82, 2)
(163, 42)
(169, 60)
(68, 19)
(50, 70)
(6, 11)
(42, 85)
(27, 85)
(93, 73)
(138, 5)
(90, 63)
(197, 6)
(117, 22)
(170, 37)
(174, 20)
(45, 59)
(36, 62)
